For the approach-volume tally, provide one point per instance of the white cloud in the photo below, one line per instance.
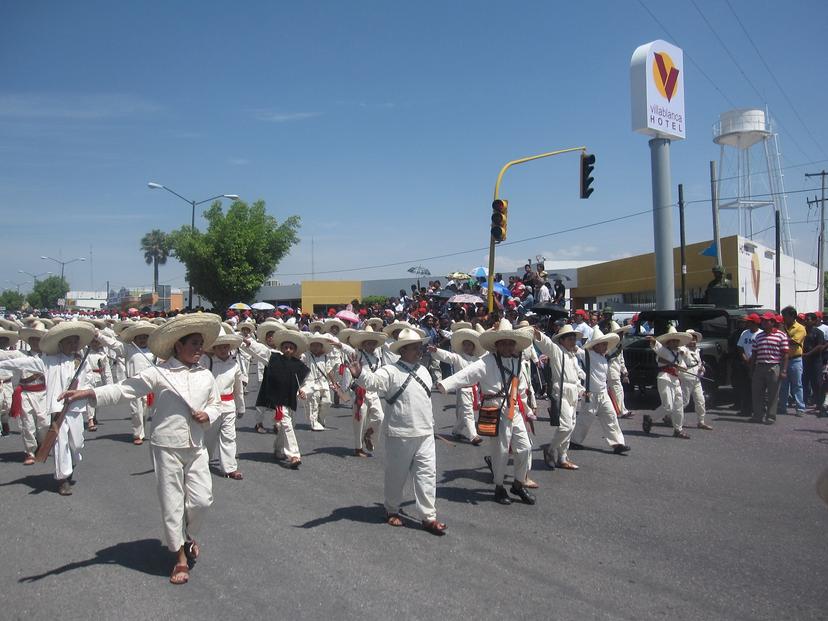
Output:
(272, 116)
(74, 107)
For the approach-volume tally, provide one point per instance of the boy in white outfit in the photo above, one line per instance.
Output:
(316, 389)
(691, 383)
(670, 368)
(368, 412)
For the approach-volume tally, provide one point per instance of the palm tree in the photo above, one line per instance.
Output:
(156, 249)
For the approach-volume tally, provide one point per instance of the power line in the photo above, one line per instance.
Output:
(773, 77)
(744, 74)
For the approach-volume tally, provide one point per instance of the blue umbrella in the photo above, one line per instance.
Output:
(502, 289)
(480, 272)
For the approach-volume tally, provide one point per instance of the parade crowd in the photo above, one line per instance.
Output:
(188, 373)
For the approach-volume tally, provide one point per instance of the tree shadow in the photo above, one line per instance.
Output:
(115, 437)
(147, 556)
(481, 475)
(334, 451)
(464, 495)
(374, 514)
(38, 482)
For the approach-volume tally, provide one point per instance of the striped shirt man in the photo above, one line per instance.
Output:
(770, 347)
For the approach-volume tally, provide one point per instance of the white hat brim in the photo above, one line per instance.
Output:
(466, 334)
(682, 337)
(162, 340)
(490, 337)
(50, 342)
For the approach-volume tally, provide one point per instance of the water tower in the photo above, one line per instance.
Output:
(750, 175)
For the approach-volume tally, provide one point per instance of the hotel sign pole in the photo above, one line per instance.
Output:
(657, 97)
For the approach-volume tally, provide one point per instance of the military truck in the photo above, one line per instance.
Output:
(719, 328)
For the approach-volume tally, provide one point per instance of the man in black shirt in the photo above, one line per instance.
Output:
(812, 357)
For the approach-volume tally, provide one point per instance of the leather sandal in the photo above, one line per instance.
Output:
(180, 575)
(476, 441)
(367, 441)
(137, 441)
(294, 463)
(360, 453)
(191, 551)
(28, 460)
(236, 475)
(530, 484)
(567, 465)
(393, 519)
(434, 527)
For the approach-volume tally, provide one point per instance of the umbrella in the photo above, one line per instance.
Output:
(553, 310)
(262, 306)
(480, 272)
(419, 270)
(442, 293)
(465, 298)
(458, 276)
(239, 306)
(283, 307)
(349, 316)
(557, 276)
(502, 289)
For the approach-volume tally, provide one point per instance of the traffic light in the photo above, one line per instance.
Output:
(500, 211)
(587, 166)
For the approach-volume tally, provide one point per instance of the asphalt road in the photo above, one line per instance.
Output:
(726, 525)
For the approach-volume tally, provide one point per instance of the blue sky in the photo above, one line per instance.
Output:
(382, 124)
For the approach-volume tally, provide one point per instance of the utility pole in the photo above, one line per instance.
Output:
(683, 249)
(821, 249)
(714, 200)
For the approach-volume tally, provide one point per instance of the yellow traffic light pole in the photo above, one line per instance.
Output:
(523, 160)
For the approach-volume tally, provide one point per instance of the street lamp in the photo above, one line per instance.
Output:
(63, 264)
(17, 284)
(34, 276)
(158, 186)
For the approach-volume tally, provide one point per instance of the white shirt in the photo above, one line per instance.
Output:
(228, 378)
(410, 416)
(173, 424)
(58, 370)
(584, 330)
(598, 368)
(320, 366)
(746, 341)
(487, 373)
(544, 295)
(563, 359)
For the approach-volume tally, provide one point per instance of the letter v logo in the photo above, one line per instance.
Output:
(665, 75)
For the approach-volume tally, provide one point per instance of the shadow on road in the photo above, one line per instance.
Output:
(334, 451)
(115, 437)
(811, 430)
(464, 495)
(11, 458)
(263, 457)
(733, 419)
(146, 555)
(356, 513)
(481, 475)
(38, 482)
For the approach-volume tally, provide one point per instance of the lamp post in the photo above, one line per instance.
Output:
(34, 276)
(17, 284)
(62, 264)
(158, 186)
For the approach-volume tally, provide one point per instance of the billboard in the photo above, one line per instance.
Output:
(657, 90)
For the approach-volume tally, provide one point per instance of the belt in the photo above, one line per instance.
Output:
(669, 370)
(228, 397)
(768, 363)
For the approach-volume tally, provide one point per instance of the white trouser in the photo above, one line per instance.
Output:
(69, 445)
(511, 433)
(559, 446)
(370, 417)
(600, 406)
(316, 407)
(221, 441)
(260, 367)
(6, 392)
(116, 365)
(464, 410)
(617, 388)
(693, 389)
(244, 366)
(286, 444)
(672, 400)
(411, 458)
(138, 407)
(185, 490)
(34, 420)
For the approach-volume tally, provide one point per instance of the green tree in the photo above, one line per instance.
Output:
(12, 300)
(47, 292)
(156, 248)
(239, 251)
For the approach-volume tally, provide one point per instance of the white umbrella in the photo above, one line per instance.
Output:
(262, 306)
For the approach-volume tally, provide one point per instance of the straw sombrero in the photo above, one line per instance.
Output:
(35, 329)
(695, 333)
(12, 335)
(504, 332)
(137, 329)
(158, 321)
(460, 325)
(465, 334)
(333, 322)
(368, 334)
(318, 324)
(598, 337)
(623, 329)
(671, 335)
(162, 340)
(267, 326)
(406, 337)
(344, 335)
(122, 325)
(5, 324)
(291, 336)
(291, 324)
(375, 323)
(50, 342)
(226, 337)
(401, 325)
(325, 341)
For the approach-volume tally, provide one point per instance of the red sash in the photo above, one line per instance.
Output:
(228, 397)
(359, 399)
(475, 397)
(342, 369)
(17, 397)
(669, 370)
(150, 399)
(278, 414)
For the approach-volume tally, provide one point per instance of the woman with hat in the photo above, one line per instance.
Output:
(670, 366)
(466, 349)
(315, 391)
(408, 428)
(58, 364)
(691, 383)
(29, 399)
(566, 390)
(187, 402)
(368, 414)
(283, 377)
(221, 437)
(500, 379)
(597, 402)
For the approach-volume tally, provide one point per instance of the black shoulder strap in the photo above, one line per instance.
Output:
(412, 374)
(586, 370)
